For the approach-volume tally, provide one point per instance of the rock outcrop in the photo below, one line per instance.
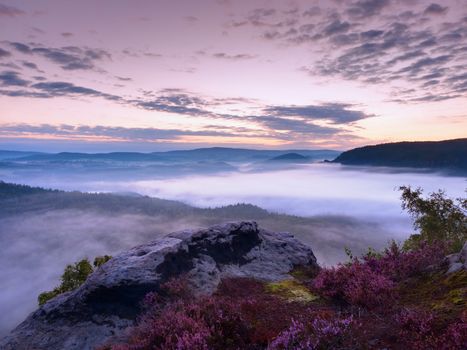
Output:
(109, 300)
(457, 261)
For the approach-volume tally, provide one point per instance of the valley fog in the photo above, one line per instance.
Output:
(344, 207)
(303, 190)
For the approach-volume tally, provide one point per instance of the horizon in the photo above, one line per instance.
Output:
(135, 148)
(159, 76)
(105, 148)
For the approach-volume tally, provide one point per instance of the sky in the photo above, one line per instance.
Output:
(152, 75)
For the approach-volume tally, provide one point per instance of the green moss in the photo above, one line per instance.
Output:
(457, 296)
(456, 280)
(291, 290)
(445, 294)
(305, 273)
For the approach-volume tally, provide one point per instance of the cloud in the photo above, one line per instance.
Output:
(375, 42)
(336, 27)
(237, 57)
(279, 122)
(416, 67)
(59, 88)
(11, 78)
(226, 56)
(68, 57)
(258, 15)
(23, 48)
(10, 11)
(312, 12)
(105, 132)
(4, 53)
(366, 8)
(124, 78)
(435, 9)
(293, 127)
(30, 65)
(334, 112)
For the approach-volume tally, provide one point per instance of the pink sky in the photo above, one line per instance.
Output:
(168, 74)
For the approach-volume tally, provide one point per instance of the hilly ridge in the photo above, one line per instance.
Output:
(449, 155)
(199, 154)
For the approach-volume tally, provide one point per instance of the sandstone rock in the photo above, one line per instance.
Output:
(108, 301)
(457, 261)
(455, 267)
(452, 258)
(463, 254)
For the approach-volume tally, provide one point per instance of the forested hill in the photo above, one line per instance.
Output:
(8, 190)
(449, 154)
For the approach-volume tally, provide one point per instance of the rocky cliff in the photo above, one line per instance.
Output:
(109, 301)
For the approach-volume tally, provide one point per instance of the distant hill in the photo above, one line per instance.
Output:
(290, 157)
(15, 154)
(449, 154)
(212, 154)
(8, 190)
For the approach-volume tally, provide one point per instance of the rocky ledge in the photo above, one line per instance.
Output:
(109, 301)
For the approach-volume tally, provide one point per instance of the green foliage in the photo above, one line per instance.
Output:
(373, 253)
(100, 260)
(73, 276)
(437, 218)
(349, 253)
(370, 253)
(46, 296)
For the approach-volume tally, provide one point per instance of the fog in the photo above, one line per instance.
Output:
(343, 206)
(304, 190)
(36, 248)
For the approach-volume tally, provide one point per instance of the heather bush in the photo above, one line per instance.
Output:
(207, 323)
(317, 333)
(240, 315)
(370, 281)
(355, 284)
(421, 329)
(398, 264)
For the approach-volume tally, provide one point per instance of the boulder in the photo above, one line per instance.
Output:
(463, 255)
(457, 261)
(109, 300)
(454, 267)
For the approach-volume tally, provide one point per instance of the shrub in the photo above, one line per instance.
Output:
(101, 260)
(420, 329)
(240, 315)
(355, 284)
(317, 333)
(397, 264)
(438, 218)
(73, 276)
(370, 281)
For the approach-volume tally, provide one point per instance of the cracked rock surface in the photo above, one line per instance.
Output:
(108, 302)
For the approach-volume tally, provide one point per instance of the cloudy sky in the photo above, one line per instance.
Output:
(170, 74)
